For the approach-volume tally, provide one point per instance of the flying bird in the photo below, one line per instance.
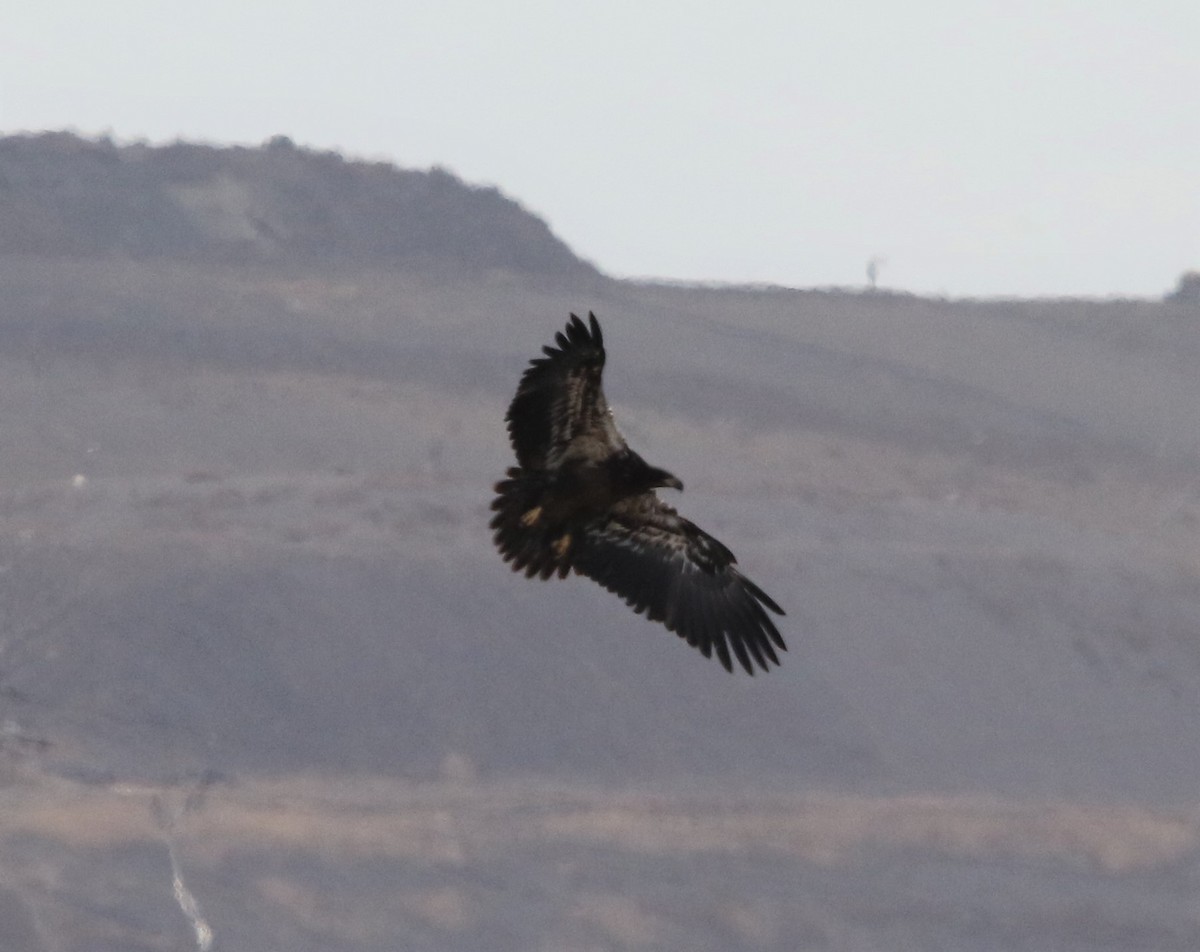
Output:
(580, 499)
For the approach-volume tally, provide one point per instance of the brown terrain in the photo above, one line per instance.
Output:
(264, 683)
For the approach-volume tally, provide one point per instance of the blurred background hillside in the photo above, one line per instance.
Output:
(255, 644)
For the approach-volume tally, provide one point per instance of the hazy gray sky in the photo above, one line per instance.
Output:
(1013, 147)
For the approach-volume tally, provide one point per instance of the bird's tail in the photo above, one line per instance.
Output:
(520, 532)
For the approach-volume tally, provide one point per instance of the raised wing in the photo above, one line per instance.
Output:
(678, 574)
(559, 409)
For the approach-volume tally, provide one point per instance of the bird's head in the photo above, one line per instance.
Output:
(636, 475)
(651, 477)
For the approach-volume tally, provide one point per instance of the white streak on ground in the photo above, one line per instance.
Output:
(189, 905)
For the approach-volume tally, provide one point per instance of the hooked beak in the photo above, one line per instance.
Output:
(669, 481)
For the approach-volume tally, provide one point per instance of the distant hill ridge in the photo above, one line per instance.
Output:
(64, 195)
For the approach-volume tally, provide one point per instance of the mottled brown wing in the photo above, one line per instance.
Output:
(559, 409)
(678, 574)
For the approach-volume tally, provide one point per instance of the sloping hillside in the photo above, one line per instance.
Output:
(271, 467)
(253, 632)
(62, 195)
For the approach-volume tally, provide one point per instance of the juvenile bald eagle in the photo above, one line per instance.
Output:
(581, 499)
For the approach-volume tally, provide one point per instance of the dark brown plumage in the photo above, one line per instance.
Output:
(581, 499)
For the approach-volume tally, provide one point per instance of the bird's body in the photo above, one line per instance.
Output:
(580, 499)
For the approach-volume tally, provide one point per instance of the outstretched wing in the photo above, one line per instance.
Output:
(560, 408)
(678, 574)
